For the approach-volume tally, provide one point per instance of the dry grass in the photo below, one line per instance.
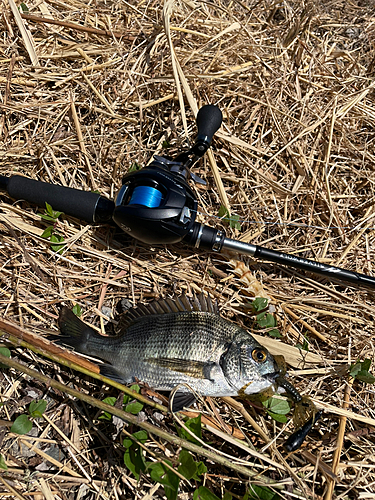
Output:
(294, 159)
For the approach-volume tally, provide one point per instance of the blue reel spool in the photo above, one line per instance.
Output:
(146, 196)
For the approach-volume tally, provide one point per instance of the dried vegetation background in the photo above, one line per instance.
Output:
(88, 90)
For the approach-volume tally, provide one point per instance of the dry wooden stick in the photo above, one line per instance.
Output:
(340, 441)
(306, 325)
(82, 143)
(7, 91)
(43, 345)
(78, 27)
(26, 35)
(12, 490)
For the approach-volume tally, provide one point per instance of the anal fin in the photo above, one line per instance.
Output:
(181, 400)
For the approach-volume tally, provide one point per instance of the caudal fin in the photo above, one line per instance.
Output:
(74, 332)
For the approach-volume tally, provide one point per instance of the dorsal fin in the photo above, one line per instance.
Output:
(166, 306)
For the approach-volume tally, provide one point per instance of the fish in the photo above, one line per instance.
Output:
(178, 343)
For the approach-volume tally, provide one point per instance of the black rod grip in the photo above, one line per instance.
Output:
(331, 272)
(85, 205)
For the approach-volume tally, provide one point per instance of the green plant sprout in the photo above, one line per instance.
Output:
(77, 310)
(277, 408)
(24, 423)
(360, 371)
(264, 319)
(133, 407)
(50, 232)
(232, 220)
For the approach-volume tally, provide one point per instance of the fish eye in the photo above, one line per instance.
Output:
(259, 355)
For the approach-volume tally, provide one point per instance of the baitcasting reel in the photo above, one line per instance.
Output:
(156, 205)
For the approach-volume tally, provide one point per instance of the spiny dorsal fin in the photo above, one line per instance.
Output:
(166, 306)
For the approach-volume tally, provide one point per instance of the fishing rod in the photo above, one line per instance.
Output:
(156, 205)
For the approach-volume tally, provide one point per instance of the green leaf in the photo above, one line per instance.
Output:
(234, 222)
(366, 364)
(3, 465)
(48, 217)
(127, 398)
(134, 460)
(22, 425)
(77, 310)
(24, 7)
(166, 477)
(195, 426)
(304, 346)
(259, 304)
(49, 209)
(47, 232)
(256, 492)
(201, 469)
(275, 333)
(227, 496)
(52, 213)
(223, 212)
(110, 400)
(57, 238)
(141, 436)
(37, 408)
(203, 493)
(366, 377)
(156, 471)
(276, 405)
(5, 352)
(134, 408)
(360, 371)
(187, 467)
(355, 369)
(266, 320)
(279, 418)
(133, 456)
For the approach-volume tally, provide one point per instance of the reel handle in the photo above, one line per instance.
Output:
(209, 119)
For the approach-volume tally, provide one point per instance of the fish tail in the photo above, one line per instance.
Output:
(74, 332)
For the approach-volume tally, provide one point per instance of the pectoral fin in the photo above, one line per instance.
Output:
(195, 369)
(111, 372)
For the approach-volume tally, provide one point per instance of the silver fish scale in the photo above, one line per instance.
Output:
(153, 345)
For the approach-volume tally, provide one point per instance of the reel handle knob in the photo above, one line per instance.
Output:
(209, 120)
